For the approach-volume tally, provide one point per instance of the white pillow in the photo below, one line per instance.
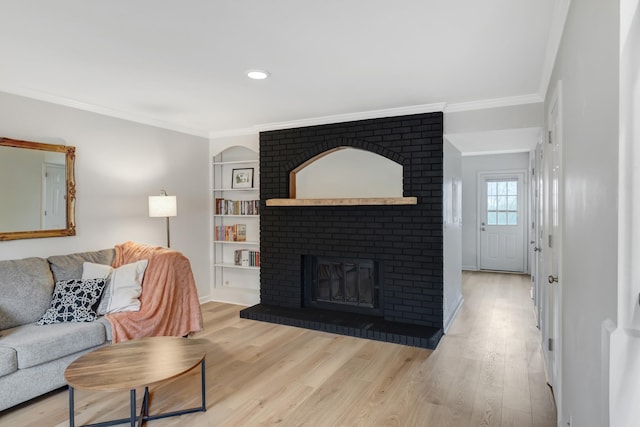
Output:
(124, 285)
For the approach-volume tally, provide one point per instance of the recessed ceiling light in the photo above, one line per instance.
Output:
(257, 74)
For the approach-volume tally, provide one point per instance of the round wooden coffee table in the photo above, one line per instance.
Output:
(133, 364)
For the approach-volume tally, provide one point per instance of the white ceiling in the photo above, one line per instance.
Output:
(181, 64)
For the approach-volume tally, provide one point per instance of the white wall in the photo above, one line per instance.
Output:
(471, 166)
(492, 119)
(350, 172)
(625, 341)
(118, 164)
(452, 233)
(587, 65)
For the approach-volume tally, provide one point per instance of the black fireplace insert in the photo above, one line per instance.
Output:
(343, 284)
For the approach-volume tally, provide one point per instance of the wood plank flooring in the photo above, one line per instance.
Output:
(487, 371)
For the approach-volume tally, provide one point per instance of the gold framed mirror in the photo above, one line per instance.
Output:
(37, 190)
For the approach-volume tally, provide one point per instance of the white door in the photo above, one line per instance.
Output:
(55, 184)
(554, 246)
(502, 222)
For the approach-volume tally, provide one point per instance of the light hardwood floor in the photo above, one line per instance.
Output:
(487, 371)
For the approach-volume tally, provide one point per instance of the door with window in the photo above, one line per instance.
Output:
(502, 221)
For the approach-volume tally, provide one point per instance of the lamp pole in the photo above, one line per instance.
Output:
(168, 239)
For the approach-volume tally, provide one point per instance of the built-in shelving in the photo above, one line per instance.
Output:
(227, 275)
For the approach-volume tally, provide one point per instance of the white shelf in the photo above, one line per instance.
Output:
(236, 162)
(240, 267)
(236, 189)
(232, 242)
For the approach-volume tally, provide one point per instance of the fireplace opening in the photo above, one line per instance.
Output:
(343, 284)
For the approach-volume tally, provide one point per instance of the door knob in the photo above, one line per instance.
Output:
(482, 228)
(537, 249)
(552, 279)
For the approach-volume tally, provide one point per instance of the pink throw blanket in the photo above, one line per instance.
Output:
(169, 303)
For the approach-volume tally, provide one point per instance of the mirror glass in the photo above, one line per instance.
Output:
(37, 190)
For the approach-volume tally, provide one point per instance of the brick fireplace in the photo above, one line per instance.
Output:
(404, 242)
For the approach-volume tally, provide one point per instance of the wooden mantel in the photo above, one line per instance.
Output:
(366, 201)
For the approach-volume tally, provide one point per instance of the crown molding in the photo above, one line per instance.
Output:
(337, 118)
(132, 117)
(510, 101)
(556, 29)
(313, 121)
(350, 117)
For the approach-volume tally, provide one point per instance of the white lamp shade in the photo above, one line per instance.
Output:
(163, 206)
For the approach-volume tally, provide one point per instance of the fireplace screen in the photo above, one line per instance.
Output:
(345, 282)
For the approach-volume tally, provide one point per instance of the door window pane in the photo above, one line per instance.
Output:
(502, 188)
(502, 202)
(492, 203)
(491, 189)
(492, 218)
(502, 218)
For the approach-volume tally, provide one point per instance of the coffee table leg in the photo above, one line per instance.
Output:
(133, 407)
(145, 404)
(71, 409)
(204, 386)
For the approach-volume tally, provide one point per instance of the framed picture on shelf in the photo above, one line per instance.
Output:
(242, 178)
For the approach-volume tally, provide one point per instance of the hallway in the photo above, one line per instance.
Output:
(492, 356)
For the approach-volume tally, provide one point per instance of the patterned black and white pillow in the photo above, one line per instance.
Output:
(74, 301)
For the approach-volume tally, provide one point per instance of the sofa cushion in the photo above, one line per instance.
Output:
(8, 361)
(26, 286)
(36, 344)
(74, 301)
(124, 285)
(67, 267)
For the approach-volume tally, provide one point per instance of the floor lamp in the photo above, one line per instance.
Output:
(163, 206)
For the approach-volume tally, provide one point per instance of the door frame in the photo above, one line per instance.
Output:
(538, 268)
(503, 173)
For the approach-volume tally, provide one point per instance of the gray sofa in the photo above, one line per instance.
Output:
(33, 357)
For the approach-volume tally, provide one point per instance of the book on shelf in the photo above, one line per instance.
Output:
(240, 232)
(231, 233)
(237, 207)
(246, 258)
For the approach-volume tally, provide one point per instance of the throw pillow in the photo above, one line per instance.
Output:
(124, 285)
(74, 301)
